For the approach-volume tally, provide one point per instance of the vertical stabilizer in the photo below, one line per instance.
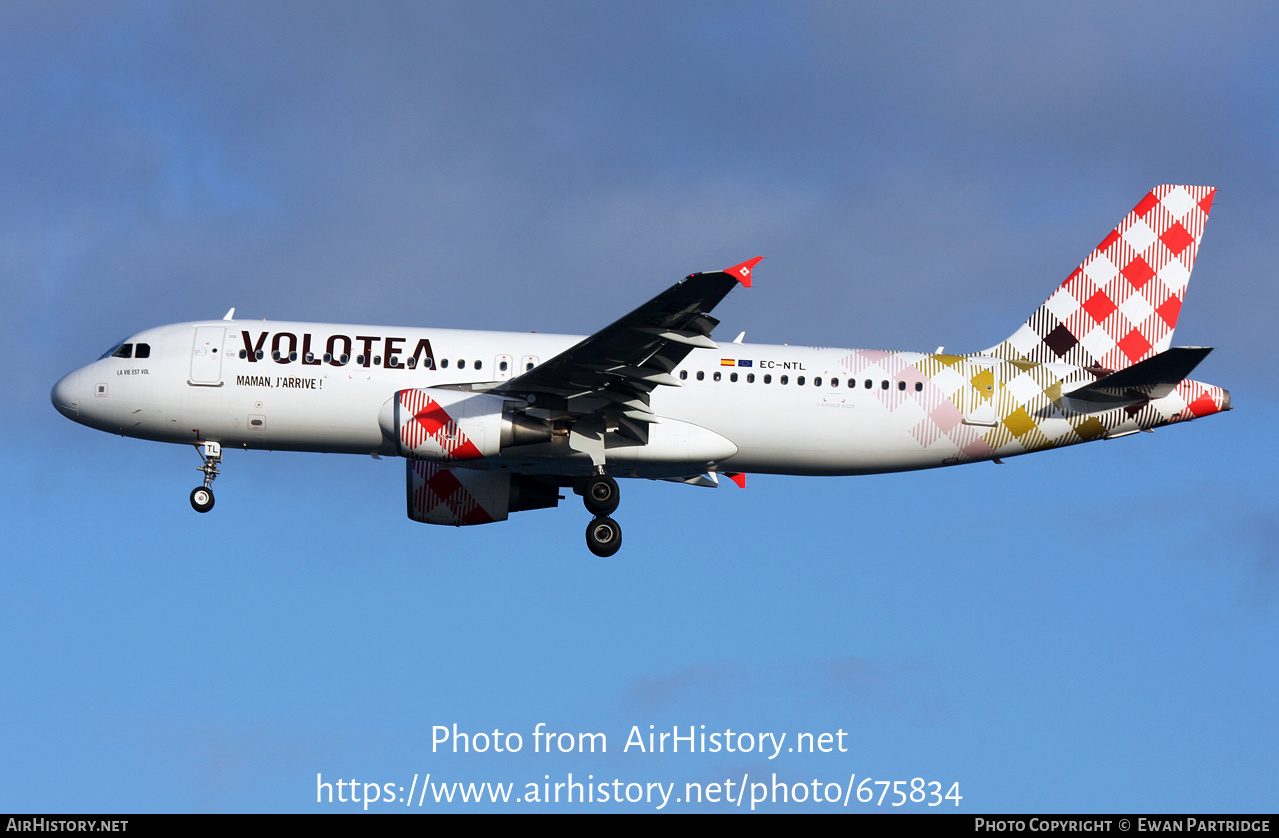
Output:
(1120, 306)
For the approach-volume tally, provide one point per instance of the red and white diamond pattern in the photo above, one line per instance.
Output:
(1120, 306)
(438, 495)
(427, 430)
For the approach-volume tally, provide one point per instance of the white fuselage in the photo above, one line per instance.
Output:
(741, 407)
(773, 412)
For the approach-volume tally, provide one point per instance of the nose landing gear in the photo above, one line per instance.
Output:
(202, 496)
(201, 499)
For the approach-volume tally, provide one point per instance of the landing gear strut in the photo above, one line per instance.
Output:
(202, 496)
(601, 497)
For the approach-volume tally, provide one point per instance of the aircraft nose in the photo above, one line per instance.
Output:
(66, 395)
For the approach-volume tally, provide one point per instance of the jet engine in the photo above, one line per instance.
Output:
(461, 497)
(449, 426)
(438, 431)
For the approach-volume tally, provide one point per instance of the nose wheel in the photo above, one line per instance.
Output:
(202, 496)
(201, 499)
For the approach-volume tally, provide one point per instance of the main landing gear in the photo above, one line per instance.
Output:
(601, 496)
(202, 496)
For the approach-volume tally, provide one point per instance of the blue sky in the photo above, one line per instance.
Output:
(1083, 630)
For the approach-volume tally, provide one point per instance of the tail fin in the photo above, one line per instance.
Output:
(1120, 306)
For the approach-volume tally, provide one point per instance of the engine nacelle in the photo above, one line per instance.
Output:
(449, 426)
(461, 497)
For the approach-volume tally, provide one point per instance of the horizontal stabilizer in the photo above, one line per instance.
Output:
(1150, 379)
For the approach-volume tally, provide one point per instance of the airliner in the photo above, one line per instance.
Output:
(491, 423)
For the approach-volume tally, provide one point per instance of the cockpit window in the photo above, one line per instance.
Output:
(127, 350)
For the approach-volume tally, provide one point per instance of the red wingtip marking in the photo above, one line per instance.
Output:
(743, 271)
(739, 479)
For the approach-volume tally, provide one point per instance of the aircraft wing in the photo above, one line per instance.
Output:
(611, 373)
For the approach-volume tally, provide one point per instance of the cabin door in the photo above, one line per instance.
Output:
(206, 356)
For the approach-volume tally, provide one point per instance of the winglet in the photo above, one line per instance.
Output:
(739, 479)
(743, 271)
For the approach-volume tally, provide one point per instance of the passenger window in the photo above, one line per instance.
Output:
(834, 382)
(884, 385)
(750, 378)
(444, 363)
(868, 384)
(919, 386)
(502, 366)
(716, 376)
(461, 365)
(800, 381)
(528, 366)
(901, 385)
(852, 382)
(817, 382)
(768, 379)
(683, 375)
(124, 351)
(732, 376)
(701, 376)
(377, 360)
(479, 365)
(143, 350)
(244, 353)
(785, 379)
